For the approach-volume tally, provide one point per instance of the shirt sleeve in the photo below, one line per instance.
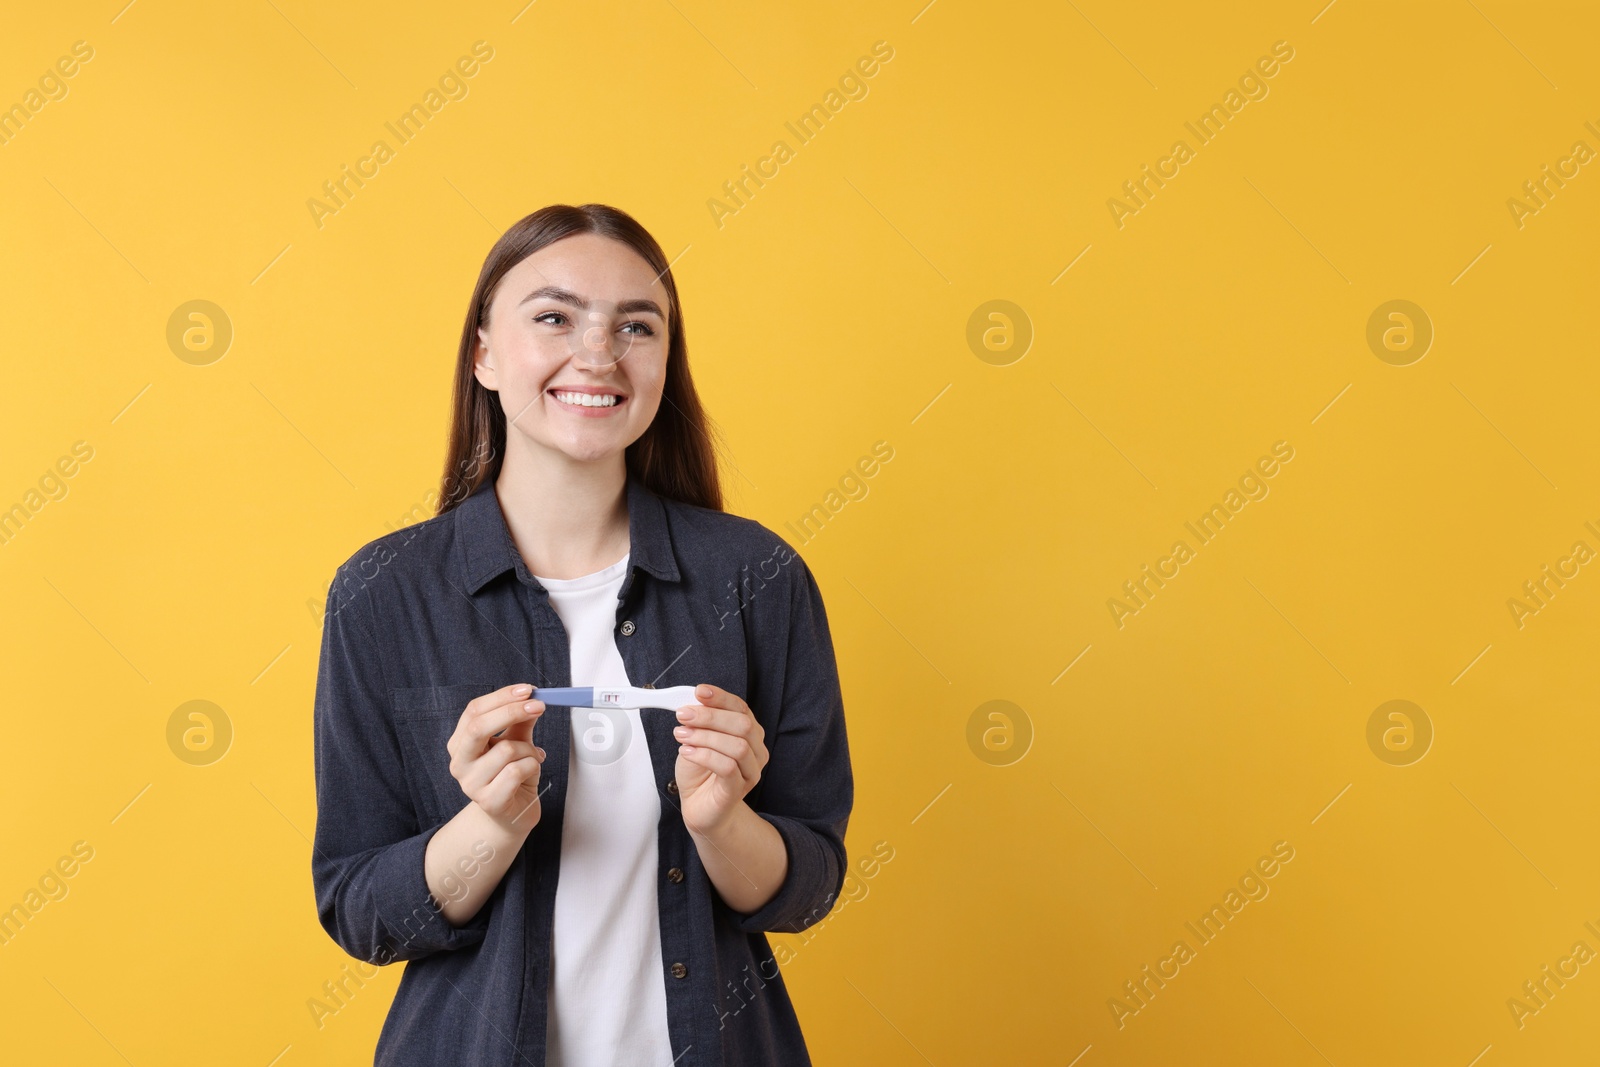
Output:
(807, 787)
(367, 856)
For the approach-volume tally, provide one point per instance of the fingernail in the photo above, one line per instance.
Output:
(530, 705)
(522, 690)
(702, 691)
(681, 731)
(683, 714)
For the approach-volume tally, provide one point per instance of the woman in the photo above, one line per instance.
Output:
(573, 886)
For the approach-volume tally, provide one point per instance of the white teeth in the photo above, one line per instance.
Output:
(588, 400)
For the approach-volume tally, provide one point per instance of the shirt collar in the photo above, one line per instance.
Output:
(487, 550)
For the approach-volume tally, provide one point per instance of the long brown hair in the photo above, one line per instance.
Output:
(676, 455)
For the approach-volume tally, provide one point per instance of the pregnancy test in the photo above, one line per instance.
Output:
(626, 696)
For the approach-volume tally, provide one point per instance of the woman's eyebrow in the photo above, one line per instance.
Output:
(567, 296)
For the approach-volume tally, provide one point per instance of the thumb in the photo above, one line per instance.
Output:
(523, 730)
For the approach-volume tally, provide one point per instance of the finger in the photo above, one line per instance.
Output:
(486, 766)
(490, 723)
(722, 766)
(482, 770)
(521, 691)
(489, 701)
(522, 729)
(735, 748)
(505, 785)
(519, 730)
(739, 723)
(537, 751)
(473, 736)
(712, 696)
(688, 774)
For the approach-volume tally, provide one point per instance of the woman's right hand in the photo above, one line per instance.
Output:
(500, 773)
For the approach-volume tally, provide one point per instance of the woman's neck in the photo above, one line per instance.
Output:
(566, 519)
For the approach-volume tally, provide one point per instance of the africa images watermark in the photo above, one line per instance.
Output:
(52, 486)
(1538, 592)
(1537, 993)
(390, 948)
(1252, 887)
(852, 889)
(852, 86)
(1252, 486)
(53, 886)
(851, 487)
(370, 564)
(740, 593)
(1541, 190)
(1252, 86)
(452, 85)
(52, 86)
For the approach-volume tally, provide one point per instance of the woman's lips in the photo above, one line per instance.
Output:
(594, 412)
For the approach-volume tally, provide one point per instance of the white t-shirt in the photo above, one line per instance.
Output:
(608, 998)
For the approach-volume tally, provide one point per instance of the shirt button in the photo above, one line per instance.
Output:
(628, 628)
(675, 875)
(672, 787)
(679, 970)
(648, 685)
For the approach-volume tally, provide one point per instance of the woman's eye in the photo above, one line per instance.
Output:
(559, 318)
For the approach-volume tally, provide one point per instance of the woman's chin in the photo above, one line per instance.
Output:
(592, 451)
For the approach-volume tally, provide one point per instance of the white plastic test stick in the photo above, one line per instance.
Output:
(626, 696)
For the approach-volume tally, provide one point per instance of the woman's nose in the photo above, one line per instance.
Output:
(597, 345)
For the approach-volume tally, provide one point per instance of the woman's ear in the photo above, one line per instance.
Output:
(483, 363)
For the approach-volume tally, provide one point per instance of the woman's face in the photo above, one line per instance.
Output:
(585, 315)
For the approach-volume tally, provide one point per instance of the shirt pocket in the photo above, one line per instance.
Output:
(424, 720)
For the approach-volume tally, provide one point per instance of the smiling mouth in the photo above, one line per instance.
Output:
(588, 400)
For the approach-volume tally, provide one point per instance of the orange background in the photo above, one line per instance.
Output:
(1139, 772)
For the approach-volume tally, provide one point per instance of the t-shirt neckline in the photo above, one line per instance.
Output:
(587, 581)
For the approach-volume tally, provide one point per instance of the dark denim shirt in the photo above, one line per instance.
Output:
(422, 620)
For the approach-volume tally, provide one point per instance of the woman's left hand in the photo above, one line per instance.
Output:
(720, 756)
